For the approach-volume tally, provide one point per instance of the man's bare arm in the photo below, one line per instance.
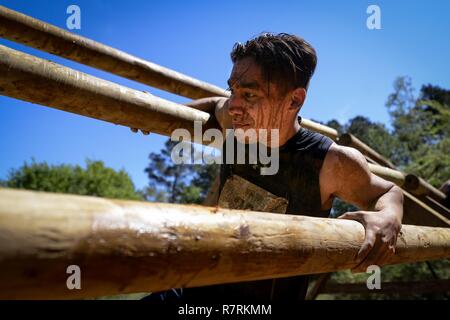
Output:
(345, 174)
(215, 105)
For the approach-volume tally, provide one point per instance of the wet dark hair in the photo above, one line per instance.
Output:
(286, 59)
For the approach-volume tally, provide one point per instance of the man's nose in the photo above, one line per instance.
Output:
(235, 107)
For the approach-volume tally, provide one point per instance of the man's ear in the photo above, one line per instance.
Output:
(298, 98)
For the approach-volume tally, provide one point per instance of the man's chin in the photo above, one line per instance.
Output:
(246, 135)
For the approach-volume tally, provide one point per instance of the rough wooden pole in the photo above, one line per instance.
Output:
(419, 213)
(130, 246)
(320, 128)
(35, 80)
(394, 176)
(29, 31)
(435, 205)
(418, 186)
(350, 140)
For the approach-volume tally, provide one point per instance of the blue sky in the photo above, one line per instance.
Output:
(354, 76)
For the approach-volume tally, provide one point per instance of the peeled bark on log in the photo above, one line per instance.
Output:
(129, 246)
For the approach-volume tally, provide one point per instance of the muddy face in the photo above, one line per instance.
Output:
(256, 103)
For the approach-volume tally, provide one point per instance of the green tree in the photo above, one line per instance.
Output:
(178, 183)
(375, 135)
(422, 127)
(94, 180)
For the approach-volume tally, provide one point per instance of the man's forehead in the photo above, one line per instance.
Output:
(246, 71)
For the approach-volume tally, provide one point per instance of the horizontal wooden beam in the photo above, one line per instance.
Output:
(35, 33)
(32, 32)
(419, 213)
(419, 187)
(350, 140)
(392, 175)
(435, 205)
(129, 246)
(39, 81)
(320, 128)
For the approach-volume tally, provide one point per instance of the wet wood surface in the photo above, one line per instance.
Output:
(130, 246)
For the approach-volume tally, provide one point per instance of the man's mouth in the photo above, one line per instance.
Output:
(239, 125)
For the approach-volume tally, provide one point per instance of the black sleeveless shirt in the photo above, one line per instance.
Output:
(297, 179)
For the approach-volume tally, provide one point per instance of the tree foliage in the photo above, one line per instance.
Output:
(94, 180)
(178, 183)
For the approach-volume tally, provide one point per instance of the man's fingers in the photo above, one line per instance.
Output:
(381, 257)
(367, 246)
(374, 257)
(380, 253)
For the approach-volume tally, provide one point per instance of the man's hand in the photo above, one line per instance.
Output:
(382, 229)
(214, 105)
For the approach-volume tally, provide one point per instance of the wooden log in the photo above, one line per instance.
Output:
(318, 286)
(435, 205)
(320, 128)
(406, 288)
(29, 31)
(392, 175)
(32, 32)
(129, 246)
(350, 140)
(418, 186)
(35, 80)
(42, 82)
(418, 213)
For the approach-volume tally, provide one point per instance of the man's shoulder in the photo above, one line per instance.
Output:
(343, 163)
(310, 143)
(342, 155)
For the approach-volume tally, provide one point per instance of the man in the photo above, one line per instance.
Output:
(268, 85)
